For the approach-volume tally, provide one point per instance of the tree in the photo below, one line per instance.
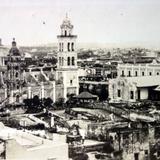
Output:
(36, 101)
(60, 102)
(27, 102)
(48, 102)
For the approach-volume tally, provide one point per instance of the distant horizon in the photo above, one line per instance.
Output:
(91, 45)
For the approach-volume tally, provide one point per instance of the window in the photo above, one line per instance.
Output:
(146, 152)
(65, 33)
(136, 73)
(72, 46)
(157, 73)
(62, 47)
(131, 95)
(68, 47)
(119, 93)
(73, 63)
(122, 73)
(60, 61)
(68, 61)
(129, 73)
(136, 156)
(150, 73)
(59, 46)
(71, 82)
(142, 73)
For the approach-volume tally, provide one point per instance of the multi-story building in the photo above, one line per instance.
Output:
(67, 69)
(135, 82)
(132, 89)
(136, 70)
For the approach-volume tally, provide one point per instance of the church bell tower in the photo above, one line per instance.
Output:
(14, 74)
(67, 70)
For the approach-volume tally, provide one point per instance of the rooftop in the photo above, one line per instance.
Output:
(86, 95)
(25, 139)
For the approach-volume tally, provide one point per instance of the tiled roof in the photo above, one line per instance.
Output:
(86, 95)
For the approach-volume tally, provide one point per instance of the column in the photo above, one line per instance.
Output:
(29, 93)
(5, 93)
(42, 91)
(52, 121)
(54, 91)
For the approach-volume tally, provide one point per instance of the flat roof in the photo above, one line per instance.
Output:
(26, 139)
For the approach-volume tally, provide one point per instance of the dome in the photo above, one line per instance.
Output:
(14, 51)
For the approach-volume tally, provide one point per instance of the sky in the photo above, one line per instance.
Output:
(34, 22)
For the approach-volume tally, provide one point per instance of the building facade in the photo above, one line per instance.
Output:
(67, 69)
(133, 89)
(15, 77)
(136, 70)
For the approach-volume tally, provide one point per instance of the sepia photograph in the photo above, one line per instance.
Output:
(79, 79)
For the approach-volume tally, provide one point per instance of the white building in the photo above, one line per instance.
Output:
(136, 70)
(67, 69)
(132, 89)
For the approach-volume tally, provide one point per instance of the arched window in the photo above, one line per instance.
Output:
(72, 46)
(73, 62)
(129, 73)
(65, 33)
(68, 61)
(59, 46)
(68, 47)
(62, 47)
(62, 61)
